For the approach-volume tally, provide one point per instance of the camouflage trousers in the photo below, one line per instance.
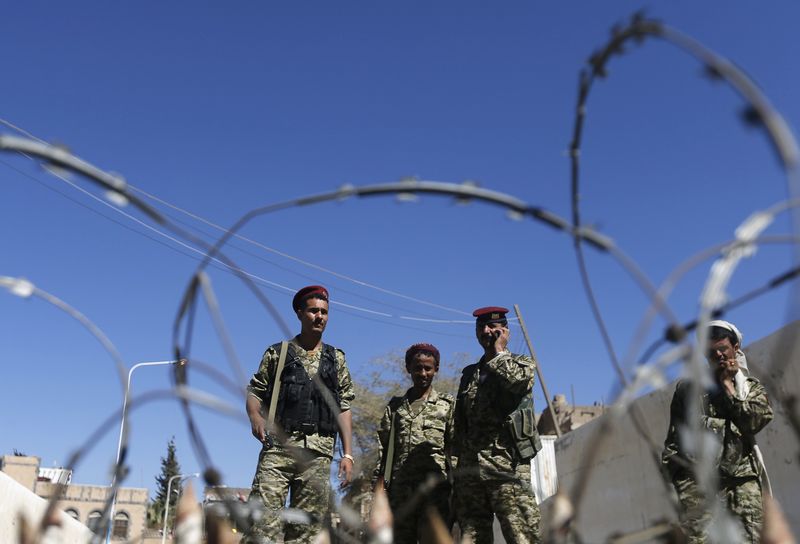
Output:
(410, 510)
(477, 500)
(302, 474)
(742, 497)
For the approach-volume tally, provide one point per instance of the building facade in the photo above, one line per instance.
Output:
(570, 417)
(84, 503)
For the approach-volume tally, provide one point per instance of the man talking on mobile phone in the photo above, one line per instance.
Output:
(734, 408)
(495, 438)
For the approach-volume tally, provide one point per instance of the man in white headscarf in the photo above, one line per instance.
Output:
(734, 409)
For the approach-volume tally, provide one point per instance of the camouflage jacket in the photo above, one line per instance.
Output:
(488, 393)
(735, 422)
(422, 437)
(261, 386)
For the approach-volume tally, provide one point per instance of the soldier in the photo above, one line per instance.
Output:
(311, 405)
(734, 409)
(495, 437)
(414, 441)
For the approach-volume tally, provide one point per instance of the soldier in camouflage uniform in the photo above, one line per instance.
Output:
(300, 461)
(735, 409)
(495, 439)
(420, 425)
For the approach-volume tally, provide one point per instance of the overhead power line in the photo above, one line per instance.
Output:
(199, 254)
(304, 262)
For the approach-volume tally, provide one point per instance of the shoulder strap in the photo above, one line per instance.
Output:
(276, 385)
(387, 469)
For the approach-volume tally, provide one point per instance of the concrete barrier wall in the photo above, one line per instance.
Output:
(15, 499)
(778, 442)
(625, 492)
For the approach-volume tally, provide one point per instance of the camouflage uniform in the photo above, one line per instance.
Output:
(423, 433)
(301, 464)
(735, 422)
(490, 478)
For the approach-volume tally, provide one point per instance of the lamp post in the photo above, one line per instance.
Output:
(121, 431)
(169, 496)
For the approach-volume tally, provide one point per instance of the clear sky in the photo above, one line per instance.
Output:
(216, 108)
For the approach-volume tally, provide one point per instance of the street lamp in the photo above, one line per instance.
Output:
(122, 429)
(169, 496)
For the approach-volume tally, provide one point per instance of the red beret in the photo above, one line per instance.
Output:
(419, 348)
(303, 294)
(490, 314)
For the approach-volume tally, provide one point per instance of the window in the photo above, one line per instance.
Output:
(71, 512)
(121, 524)
(93, 521)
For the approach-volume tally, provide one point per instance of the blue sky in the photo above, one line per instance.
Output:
(217, 109)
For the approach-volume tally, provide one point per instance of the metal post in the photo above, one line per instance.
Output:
(169, 496)
(123, 418)
(538, 370)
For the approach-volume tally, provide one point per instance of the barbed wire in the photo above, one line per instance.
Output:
(758, 112)
(23, 288)
(672, 334)
(304, 262)
(259, 245)
(199, 254)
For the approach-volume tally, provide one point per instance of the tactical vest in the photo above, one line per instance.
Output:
(301, 404)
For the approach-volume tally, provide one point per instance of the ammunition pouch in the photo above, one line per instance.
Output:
(521, 425)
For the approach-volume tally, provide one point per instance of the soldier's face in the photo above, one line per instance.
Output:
(422, 370)
(487, 333)
(314, 317)
(722, 354)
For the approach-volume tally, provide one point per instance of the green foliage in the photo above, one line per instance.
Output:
(169, 468)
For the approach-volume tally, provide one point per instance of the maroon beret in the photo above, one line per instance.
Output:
(490, 314)
(303, 294)
(422, 348)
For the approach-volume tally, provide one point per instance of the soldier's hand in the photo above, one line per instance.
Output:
(345, 472)
(258, 426)
(726, 373)
(501, 339)
(495, 340)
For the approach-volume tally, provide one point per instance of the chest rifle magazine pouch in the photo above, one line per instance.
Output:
(521, 424)
(292, 388)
